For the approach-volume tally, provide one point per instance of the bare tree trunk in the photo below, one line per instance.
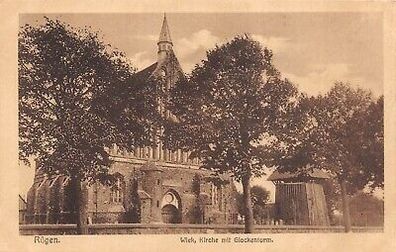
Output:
(345, 208)
(249, 227)
(80, 201)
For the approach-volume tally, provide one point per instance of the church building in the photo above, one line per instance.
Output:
(154, 185)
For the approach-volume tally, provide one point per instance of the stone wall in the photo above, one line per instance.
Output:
(100, 229)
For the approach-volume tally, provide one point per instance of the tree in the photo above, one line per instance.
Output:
(337, 132)
(332, 192)
(342, 125)
(69, 115)
(230, 102)
(366, 210)
(259, 198)
(371, 142)
(260, 195)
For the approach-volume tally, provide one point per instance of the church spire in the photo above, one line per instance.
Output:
(165, 34)
(165, 42)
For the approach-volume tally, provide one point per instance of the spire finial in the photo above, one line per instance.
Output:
(165, 42)
(165, 34)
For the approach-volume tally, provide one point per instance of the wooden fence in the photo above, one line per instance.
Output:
(70, 229)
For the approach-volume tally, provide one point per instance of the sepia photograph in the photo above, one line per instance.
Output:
(200, 123)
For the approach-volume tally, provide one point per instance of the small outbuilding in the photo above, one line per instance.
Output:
(300, 198)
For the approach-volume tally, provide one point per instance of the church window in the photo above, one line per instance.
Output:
(158, 182)
(214, 195)
(220, 198)
(117, 194)
(217, 197)
(157, 203)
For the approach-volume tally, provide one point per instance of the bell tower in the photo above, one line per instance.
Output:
(300, 198)
(164, 42)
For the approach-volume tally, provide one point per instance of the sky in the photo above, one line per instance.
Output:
(313, 50)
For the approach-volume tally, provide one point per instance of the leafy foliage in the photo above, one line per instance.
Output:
(229, 104)
(366, 210)
(260, 197)
(371, 143)
(77, 97)
(341, 132)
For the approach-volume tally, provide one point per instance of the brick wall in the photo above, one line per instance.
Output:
(50, 201)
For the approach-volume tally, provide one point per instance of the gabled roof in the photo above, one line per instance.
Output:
(312, 173)
(147, 72)
(154, 68)
(143, 194)
(22, 203)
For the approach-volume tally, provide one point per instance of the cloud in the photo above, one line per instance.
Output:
(189, 49)
(322, 77)
(201, 40)
(148, 37)
(141, 60)
(276, 44)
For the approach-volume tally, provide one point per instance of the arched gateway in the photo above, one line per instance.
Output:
(171, 207)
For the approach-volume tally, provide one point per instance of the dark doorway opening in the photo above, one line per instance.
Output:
(170, 214)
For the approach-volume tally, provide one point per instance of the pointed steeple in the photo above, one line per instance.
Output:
(164, 42)
(165, 34)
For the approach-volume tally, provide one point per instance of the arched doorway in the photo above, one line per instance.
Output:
(170, 207)
(170, 214)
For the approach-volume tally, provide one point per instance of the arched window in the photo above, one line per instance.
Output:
(214, 194)
(217, 196)
(117, 194)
